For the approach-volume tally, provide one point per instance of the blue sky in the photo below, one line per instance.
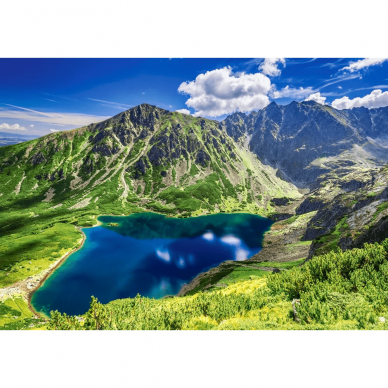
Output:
(39, 96)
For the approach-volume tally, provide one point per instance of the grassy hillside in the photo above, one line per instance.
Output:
(144, 159)
(346, 290)
(15, 315)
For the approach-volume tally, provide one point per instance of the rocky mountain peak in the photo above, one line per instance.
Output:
(311, 103)
(304, 140)
(272, 104)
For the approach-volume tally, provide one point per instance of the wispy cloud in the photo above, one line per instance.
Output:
(341, 78)
(363, 64)
(301, 92)
(332, 65)
(112, 104)
(290, 92)
(55, 118)
(291, 62)
(252, 63)
(342, 93)
(55, 95)
(29, 110)
(333, 94)
(47, 99)
(372, 87)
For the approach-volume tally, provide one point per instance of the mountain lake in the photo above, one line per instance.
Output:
(147, 254)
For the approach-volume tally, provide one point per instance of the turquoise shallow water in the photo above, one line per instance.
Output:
(147, 254)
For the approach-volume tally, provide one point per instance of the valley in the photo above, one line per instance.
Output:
(326, 194)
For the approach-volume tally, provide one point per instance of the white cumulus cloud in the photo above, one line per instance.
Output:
(376, 99)
(54, 130)
(296, 93)
(219, 92)
(14, 126)
(184, 111)
(270, 66)
(317, 98)
(364, 63)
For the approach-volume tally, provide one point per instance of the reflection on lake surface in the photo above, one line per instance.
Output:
(147, 254)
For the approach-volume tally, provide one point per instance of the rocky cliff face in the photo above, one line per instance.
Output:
(304, 140)
(352, 208)
(143, 158)
(235, 125)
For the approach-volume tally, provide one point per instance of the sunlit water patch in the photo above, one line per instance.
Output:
(147, 254)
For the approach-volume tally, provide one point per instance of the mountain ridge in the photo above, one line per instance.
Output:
(301, 140)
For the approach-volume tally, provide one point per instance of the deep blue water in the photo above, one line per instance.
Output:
(147, 254)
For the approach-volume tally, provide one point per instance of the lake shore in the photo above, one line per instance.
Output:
(49, 272)
(56, 265)
(29, 286)
(167, 251)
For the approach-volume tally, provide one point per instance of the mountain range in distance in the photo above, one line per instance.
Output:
(307, 139)
(12, 138)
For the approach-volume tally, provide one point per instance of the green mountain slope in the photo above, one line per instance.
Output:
(144, 159)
